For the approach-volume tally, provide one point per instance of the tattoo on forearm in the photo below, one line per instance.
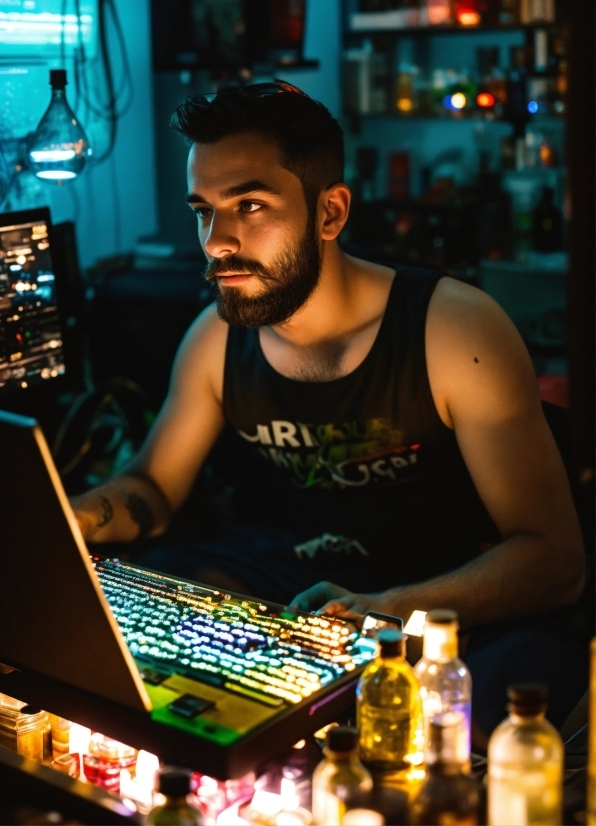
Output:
(140, 512)
(107, 511)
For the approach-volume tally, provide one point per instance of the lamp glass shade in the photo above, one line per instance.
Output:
(59, 147)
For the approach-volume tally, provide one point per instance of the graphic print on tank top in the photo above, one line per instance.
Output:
(329, 455)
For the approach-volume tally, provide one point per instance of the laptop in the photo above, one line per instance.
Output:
(222, 680)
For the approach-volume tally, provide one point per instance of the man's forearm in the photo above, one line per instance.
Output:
(130, 506)
(520, 577)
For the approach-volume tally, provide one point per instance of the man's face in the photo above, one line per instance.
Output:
(260, 240)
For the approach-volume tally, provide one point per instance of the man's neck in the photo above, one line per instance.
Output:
(342, 304)
(332, 333)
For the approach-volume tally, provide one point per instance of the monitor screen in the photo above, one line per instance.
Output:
(31, 328)
(47, 28)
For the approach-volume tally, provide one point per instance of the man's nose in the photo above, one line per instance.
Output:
(221, 240)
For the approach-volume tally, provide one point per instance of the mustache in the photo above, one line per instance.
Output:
(235, 263)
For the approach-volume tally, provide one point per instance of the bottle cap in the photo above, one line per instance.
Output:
(174, 782)
(391, 643)
(342, 738)
(527, 699)
(440, 635)
(58, 78)
(441, 616)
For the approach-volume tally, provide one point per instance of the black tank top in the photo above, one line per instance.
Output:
(365, 456)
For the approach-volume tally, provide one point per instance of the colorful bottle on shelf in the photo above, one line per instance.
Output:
(525, 763)
(449, 795)
(445, 682)
(547, 223)
(175, 785)
(389, 714)
(339, 777)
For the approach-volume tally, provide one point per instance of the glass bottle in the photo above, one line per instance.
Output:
(445, 682)
(448, 795)
(438, 12)
(547, 223)
(389, 712)
(338, 778)
(59, 147)
(175, 785)
(525, 763)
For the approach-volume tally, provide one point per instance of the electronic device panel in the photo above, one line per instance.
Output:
(224, 664)
(47, 28)
(31, 334)
(210, 679)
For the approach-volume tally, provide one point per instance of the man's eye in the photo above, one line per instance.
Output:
(250, 206)
(203, 212)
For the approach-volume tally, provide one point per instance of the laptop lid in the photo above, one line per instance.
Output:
(54, 617)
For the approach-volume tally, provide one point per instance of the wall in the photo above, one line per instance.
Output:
(115, 202)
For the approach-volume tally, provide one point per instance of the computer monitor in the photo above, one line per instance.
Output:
(47, 28)
(36, 299)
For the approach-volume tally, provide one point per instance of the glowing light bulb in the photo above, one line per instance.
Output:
(59, 148)
(532, 107)
(458, 100)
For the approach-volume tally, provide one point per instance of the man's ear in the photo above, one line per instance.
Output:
(333, 208)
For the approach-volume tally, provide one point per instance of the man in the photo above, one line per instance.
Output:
(396, 412)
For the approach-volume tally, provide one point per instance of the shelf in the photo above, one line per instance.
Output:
(464, 119)
(369, 31)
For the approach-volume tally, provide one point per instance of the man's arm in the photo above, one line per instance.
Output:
(140, 501)
(484, 387)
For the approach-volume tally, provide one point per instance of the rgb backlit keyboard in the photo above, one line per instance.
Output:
(266, 652)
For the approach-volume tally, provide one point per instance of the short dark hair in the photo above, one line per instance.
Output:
(310, 139)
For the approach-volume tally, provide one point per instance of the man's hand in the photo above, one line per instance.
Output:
(333, 600)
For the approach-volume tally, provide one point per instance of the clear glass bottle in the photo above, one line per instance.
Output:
(175, 785)
(445, 682)
(525, 763)
(389, 713)
(449, 795)
(58, 150)
(338, 778)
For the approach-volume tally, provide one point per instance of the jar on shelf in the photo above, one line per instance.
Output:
(106, 759)
(27, 731)
(60, 735)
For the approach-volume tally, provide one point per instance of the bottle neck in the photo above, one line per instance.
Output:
(341, 756)
(444, 768)
(526, 718)
(440, 642)
(176, 800)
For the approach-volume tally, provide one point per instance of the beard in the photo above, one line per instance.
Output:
(287, 284)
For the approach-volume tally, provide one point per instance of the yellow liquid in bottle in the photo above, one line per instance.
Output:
(389, 715)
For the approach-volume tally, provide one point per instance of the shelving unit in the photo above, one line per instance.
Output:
(466, 146)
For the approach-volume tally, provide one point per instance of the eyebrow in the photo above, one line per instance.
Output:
(244, 188)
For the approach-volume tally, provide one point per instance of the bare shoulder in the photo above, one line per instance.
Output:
(201, 355)
(474, 353)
